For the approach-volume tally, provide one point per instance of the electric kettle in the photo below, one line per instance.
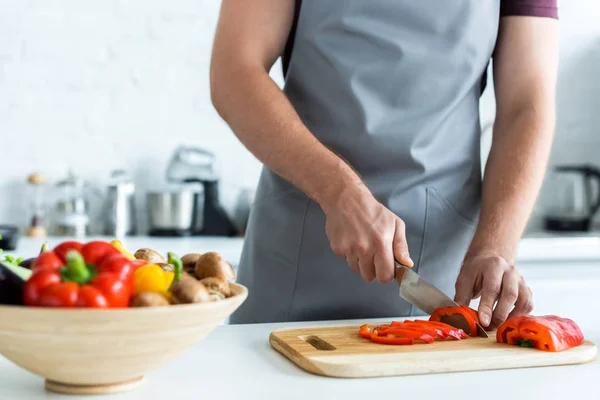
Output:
(572, 198)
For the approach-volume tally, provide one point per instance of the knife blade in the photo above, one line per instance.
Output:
(423, 295)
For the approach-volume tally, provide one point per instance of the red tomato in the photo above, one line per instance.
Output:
(36, 283)
(62, 249)
(90, 296)
(93, 252)
(119, 265)
(47, 261)
(59, 295)
(115, 290)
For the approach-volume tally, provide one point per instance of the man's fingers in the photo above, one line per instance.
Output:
(524, 304)
(508, 296)
(384, 259)
(352, 261)
(464, 287)
(492, 284)
(367, 269)
(400, 246)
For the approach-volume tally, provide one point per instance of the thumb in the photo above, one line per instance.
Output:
(400, 246)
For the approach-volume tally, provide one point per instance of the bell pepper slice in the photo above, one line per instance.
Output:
(391, 339)
(448, 330)
(408, 332)
(468, 314)
(546, 333)
(432, 330)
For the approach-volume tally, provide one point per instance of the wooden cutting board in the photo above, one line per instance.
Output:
(338, 351)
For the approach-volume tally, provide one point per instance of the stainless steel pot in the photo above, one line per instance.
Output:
(176, 211)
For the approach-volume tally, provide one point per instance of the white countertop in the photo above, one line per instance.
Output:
(237, 362)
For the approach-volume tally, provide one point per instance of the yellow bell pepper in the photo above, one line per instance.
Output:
(119, 246)
(152, 278)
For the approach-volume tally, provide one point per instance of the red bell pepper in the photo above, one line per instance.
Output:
(47, 260)
(82, 283)
(470, 317)
(547, 333)
(95, 251)
(62, 249)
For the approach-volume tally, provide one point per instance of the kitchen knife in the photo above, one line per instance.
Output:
(423, 295)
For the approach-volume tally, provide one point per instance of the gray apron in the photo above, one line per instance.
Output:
(393, 87)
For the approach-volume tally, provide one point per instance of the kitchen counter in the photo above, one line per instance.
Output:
(237, 362)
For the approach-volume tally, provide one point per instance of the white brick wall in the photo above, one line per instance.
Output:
(102, 84)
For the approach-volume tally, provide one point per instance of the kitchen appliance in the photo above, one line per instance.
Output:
(423, 295)
(120, 205)
(175, 210)
(37, 225)
(191, 165)
(9, 236)
(571, 199)
(339, 351)
(71, 216)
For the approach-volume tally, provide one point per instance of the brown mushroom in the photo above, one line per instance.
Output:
(150, 256)
(218, 288)
(166, 267)
(211, 264)
(189, 263)
(148, 299)
(189, 290)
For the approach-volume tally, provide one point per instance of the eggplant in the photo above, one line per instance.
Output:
(12, 281)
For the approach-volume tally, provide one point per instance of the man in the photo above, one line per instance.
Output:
(371, 151)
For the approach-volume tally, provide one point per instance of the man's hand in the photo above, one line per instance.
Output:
(495, 280)
(367, 235)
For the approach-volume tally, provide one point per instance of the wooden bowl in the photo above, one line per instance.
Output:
(89, 351)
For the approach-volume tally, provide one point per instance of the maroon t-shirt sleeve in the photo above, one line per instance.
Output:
(533, 8)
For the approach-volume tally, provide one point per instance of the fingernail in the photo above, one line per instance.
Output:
(406, 256)
(485, 319)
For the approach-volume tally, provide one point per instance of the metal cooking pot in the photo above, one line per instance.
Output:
(175, 212)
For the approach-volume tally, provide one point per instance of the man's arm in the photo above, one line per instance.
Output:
(250, 36)
(525, 71)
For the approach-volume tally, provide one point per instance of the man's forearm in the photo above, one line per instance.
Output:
(266, 123)
(512, 180)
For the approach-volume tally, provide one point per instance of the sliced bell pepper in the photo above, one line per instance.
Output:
(547, 332)
(448, 330)
(468, 314)
(374, 335)
(431, 330)
(407, 332)
(392, 340)
(80, 284)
